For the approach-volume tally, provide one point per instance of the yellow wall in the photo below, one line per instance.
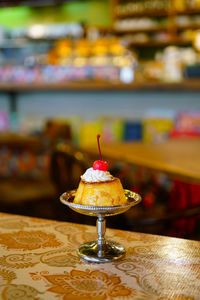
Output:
(93, 12)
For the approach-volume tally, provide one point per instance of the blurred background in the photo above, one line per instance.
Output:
(129, 70)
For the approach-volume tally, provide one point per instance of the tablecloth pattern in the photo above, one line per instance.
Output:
(38, 261)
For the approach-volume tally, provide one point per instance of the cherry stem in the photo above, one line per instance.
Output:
(98, 137)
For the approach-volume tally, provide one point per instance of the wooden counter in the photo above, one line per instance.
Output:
(38, 260)
(19, 140)
(177, 157)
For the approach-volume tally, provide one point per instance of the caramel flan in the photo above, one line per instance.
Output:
(99, 188)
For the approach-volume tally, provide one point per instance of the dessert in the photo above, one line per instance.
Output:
(98, 187)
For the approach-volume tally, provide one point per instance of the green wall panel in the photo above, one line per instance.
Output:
(93, 12)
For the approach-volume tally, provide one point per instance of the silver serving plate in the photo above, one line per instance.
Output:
(101, 250)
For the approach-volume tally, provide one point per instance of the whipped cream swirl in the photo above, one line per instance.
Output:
(91, 175)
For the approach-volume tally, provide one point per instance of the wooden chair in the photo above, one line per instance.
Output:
(67, 164)
(24, 193)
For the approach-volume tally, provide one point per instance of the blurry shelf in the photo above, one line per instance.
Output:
(170, 26)
(189, 26)
(155, 29)
(150, 29)
(160, 43)
(189, 12)
(159, 13)
(187, 85)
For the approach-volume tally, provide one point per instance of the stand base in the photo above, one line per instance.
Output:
(110, 251)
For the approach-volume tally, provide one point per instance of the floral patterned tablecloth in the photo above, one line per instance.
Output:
(38, 260)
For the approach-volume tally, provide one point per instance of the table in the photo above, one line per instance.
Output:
(176, 157)
(38, 260)
(11, 139)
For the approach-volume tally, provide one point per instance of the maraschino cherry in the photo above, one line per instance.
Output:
(100, 165)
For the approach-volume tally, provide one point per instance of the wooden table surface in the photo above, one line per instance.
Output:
(38, 260)
(19, 140)
(176, 157)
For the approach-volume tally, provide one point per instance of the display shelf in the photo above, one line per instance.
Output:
(14, 91)
(172, 28)
(159, 13)
(189, 12)
(189, 26)
(148, 30)
(156, 29)
(160, 43)
(189, 85)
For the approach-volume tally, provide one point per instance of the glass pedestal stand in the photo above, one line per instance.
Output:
(101, 250)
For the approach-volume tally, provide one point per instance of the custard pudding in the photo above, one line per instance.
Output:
(99, 188)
